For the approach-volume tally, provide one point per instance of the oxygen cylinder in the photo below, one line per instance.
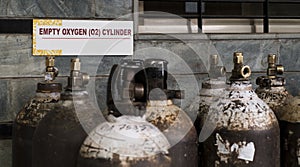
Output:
(125, 141)
(290, 133)
(211, 90)
(170, 119)
(272, 87)
(60, 134)
(272, 90)
(242, 130)
(46, 98)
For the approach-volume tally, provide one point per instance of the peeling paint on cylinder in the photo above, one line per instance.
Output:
(26, 123)
(243, 130)
(272, 87)
(280, 101)
(272, 90)
(261, 155)
(292, 113)
(240, 118)
(211, 90)
(178, 129)
(125, 141)
(59, 135)
(28, 119)
(290, 133)
(274, 97)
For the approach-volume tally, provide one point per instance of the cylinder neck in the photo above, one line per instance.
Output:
(74, 95)
(213, 84)
(160, 103)
(48, 97)
(240, 85)
(49, 87)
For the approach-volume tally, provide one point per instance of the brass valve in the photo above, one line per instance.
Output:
(77, 80)
(51, 71)
(216, 71)
(273, 68)
(49, 86)
(50, 61)
(214, 59)
(240, 71)
(75, 64)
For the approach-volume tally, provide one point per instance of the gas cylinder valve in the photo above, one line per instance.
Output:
(240, 71)
(273, 70)
(51, 71)
(77, 79)
(157, 75)
(49, 85)
(216, 71)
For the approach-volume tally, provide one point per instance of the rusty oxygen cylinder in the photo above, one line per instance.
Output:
(125, 141)
(24, 126)
(272, 90)
(244, 130)
(170, 119)
(272, 87)
(211, 90)
(60, 134)
(126, 90)
(290, 133)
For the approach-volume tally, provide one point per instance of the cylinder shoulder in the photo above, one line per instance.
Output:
(291, 110)
(242, 110)
(33, 112)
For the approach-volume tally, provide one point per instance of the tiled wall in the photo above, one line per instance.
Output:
(65, 8)
(187, 55)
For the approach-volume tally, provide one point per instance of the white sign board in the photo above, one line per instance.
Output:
(82, 37)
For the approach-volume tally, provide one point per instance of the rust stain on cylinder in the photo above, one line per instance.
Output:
(246, 130)
(25, 125)
(275, 97)
(290, 133)
(60, 134)
(179, 130)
